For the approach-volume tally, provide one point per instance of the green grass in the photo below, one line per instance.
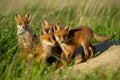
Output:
(103, 16)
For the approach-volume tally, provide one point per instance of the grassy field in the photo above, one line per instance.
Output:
(103, 16)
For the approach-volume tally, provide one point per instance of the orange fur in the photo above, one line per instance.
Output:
(26, 37)
(28, 42)
(67, 50)
(44, 49)
(47, 26)
(79, 36)
(56, 50)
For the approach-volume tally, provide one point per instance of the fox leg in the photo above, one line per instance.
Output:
(68, 59)
(92, 49)
(66, 53)
(43, 62)
(86, 51)
(64, 58)
(41, 59)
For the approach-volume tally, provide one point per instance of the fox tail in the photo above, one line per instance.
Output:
(103, 39)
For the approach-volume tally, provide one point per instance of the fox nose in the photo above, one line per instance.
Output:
(47, 30)
(23, 27)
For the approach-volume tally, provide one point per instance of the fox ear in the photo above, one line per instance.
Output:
(57, 22)
(56, 27)
(17, 16)
(28, 16)
(43, 32)
(44, 23)
(67, 28)
(49, 31)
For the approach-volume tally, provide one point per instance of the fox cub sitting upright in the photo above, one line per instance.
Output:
(79, 36)
(44, 49)
(56, 50)
(26, 37)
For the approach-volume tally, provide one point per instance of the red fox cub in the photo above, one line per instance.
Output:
(44, 49)
(67, 50)
(79, 36)
(56, 50)
(26, 37)
(47, 26)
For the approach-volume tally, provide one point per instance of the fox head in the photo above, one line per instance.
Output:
(47, 38)
(61, 34)
(47, 26)
(22, 21)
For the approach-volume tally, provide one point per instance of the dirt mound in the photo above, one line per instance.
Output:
(107, 60)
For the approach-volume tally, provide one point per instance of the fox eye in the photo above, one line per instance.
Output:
(46, 30)
(20, 23)
(27, 23)
(59, 36)
(49, 39)
(64, 36)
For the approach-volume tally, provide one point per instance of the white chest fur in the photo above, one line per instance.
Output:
(66, 48)
(23, 35)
